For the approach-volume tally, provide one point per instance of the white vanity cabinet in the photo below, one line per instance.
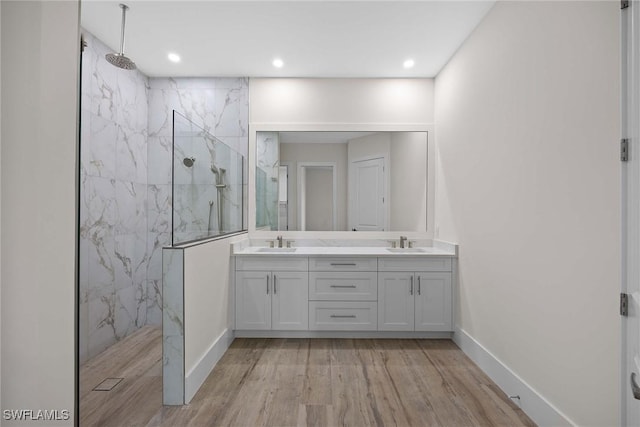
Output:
(319, 293)
(343, 294)
(271, 293)
(414, 294)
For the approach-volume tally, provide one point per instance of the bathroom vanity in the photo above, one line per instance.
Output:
(333, 290)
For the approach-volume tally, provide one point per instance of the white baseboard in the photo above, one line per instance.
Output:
(532, 403)
(342, 334)
(205, 365)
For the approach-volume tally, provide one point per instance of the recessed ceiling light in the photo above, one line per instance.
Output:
(173, 57)
(278, 63)
(409, 63)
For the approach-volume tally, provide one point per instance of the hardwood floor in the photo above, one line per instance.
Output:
(304, 382)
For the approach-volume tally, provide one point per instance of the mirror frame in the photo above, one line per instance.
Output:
(254, 128)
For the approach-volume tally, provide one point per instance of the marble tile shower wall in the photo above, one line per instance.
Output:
(113, 228)
(218, 105)
(125, 210)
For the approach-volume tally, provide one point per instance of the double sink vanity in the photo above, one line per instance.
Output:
(329, 288)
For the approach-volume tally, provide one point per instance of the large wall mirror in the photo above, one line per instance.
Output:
(341, 181)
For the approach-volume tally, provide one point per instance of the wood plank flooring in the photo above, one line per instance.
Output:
(304, 382)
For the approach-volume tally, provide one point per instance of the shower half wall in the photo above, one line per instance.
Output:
(125, 209)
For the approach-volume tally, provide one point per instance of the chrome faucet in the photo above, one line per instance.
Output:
(403, 240)
(279, 239)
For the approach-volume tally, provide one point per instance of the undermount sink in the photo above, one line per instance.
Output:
(405, 250)
(276, 250)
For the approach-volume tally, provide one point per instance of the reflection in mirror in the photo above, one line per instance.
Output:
(358, 181)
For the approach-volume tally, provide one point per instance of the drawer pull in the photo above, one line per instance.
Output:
(267, 284)
(411, 286)
(274, 284)
(343, 316)
(419, 293)
(336, 264)
(342, 286)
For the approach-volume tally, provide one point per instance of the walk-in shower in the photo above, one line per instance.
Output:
(207, 184)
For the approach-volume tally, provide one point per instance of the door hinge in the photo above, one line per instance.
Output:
(624, 4)
(624, 150)
(624, 304)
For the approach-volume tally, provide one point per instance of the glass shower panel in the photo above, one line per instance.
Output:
(207, 184)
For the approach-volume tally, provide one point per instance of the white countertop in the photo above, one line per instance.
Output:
(344, 250)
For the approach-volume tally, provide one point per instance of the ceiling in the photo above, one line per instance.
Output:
(313, 38)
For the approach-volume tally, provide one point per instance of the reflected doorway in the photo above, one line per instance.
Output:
(317, 196)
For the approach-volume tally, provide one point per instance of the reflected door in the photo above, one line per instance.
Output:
(366, 195)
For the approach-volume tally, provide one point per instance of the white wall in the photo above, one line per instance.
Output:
(376, 145)
(207, 298)
(527, 118)
(40, 51)
(408, 194)
(295, 153)
(377, 101)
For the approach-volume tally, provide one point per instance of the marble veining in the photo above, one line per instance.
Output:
(207, 190)
(125, 190)
(173, 326)
(113, 197)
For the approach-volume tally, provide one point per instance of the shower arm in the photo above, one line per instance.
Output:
(124, 14)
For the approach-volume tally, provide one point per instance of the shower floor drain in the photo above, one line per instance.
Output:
(108, 384)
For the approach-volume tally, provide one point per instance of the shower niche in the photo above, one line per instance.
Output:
(207, 184)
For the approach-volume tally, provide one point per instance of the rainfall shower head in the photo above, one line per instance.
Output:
(118, 59)
(189, 161)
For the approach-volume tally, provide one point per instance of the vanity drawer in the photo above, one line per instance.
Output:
(271, 263)
(343, 286)
(343, 264)
(414, 264)
(343, 316)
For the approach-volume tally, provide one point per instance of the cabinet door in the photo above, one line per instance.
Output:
(253, 300)
(433, 302)
(290, 300)
(395, 301)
